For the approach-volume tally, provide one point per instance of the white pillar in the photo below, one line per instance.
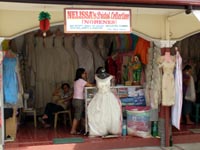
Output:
(1, 98)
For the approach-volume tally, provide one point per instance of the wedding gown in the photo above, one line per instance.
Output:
(104, 110)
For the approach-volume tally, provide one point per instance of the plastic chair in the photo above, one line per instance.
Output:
(33, 111)
(27, 110)
(65, 113)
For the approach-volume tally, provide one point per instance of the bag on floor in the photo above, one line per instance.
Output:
(190, 93)
(138, 122)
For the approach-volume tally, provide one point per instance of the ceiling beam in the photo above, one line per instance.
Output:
(176, 4)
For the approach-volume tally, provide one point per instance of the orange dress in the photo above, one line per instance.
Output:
(142, 50)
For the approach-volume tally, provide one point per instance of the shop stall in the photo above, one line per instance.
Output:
(137, 59)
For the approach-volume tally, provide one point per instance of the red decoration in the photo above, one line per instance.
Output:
(44, 18)
(44, 25)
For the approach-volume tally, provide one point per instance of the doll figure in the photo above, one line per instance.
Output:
(136, 69)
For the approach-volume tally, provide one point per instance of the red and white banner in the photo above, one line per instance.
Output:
(97, 21)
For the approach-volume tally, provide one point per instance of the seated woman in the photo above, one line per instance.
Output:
(61, 101)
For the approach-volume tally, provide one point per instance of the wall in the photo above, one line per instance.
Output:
(152, 26)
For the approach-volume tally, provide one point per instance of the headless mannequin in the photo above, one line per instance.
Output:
(167, 56)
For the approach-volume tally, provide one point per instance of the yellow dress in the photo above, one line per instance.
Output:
(168, 84)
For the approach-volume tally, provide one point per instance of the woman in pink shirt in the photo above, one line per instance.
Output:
(78, 98)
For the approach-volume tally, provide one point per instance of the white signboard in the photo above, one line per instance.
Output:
(97, 21)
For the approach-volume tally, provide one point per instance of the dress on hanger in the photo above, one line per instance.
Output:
(10, 83)
(104, 110)
(98, 60)
(85, 57)
(177, 108)
(44, 70)
(64, 70)
(10, 80)
(168, 85)
(102, 48)
(69, 47)
(31, 56)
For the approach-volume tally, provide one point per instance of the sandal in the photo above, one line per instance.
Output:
(44, 116)
(47, 125)
(41, 120)
(190, 123)
(75, 133)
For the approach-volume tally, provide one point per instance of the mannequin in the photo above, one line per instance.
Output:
(167, 65)
(167, 56)
(104, 110)
(101, 73)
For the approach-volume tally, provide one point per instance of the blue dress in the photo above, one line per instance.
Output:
(10, 83)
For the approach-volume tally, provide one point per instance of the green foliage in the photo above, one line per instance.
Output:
(44, 15)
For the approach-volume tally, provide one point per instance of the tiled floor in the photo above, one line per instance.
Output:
(187, 146)
(30, 138)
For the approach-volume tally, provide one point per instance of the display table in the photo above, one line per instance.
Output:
(122, 92)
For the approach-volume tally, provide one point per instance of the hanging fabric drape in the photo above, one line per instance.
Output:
(13, 89)
(177, 107)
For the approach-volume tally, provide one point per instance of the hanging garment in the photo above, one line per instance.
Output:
(177, 107)
(102, 47)
(51, 64)
(98, 60)
(84, 56)
(104, 110)
(111, 66)
(45, 65)
(168, 85)
(31, 64)
(69, 47)
(119, 62)
(10, 83)
(141, 49)
(19, 103)
(64, 70)
(134, 39)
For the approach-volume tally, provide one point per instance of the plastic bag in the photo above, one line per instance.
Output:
(138, 122)
(190, 93)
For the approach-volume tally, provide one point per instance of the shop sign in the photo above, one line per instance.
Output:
(97, 21)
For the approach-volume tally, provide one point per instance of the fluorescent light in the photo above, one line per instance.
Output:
(196, 14)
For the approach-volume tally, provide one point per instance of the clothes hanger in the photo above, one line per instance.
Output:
(10, 54)
(58, 32)
(49, 33)
(38, 33)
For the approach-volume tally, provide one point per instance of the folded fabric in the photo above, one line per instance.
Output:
(137, 100)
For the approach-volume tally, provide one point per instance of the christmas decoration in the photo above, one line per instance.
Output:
(44, 18)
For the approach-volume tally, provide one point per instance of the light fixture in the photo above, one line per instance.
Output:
(196, 14)
(189, 9)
